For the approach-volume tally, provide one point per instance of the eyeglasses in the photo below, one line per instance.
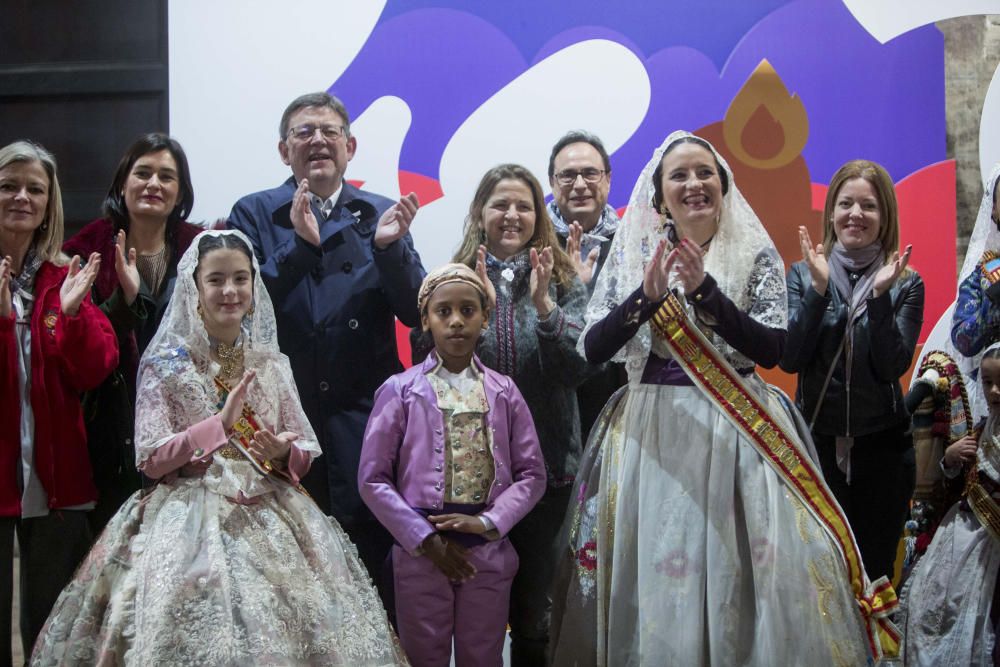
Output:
(306, 131)
(568, 177)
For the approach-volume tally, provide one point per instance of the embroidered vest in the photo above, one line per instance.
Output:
(468, 458)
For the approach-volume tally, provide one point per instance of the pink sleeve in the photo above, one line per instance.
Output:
(195, 443)
(298, 463)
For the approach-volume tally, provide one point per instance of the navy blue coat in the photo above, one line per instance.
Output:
(335, 307)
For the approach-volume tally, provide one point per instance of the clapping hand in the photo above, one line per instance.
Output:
(6, 302)
(656, 277)
(888, 274)
(267, 446)
(395, 222)
(233, 407)
(687, 260)
(815, 261)
(491, 291)
(77, 283)
(584, 267)
(541, 275)
(128, 274)
(303, 220)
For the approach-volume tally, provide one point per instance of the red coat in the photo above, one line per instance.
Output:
(68, 356)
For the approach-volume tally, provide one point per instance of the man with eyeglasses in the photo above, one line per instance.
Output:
(340, 266)
(580, 177)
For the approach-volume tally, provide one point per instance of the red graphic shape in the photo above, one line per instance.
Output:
(427, 189)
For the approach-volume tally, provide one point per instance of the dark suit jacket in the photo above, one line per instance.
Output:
(336, 307)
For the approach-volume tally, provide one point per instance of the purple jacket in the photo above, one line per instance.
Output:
(402, 460)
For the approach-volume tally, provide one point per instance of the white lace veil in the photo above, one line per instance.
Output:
(731, 257)
(985, 236)
(175, 387)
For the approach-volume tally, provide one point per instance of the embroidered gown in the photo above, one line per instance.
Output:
(217, 564)
(948, 614)
(684, 546)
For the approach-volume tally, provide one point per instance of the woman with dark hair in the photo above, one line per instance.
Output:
(536, 318)
(701, 532)
(54, 344)
(854, 314)
(140, 239)
(226, 560)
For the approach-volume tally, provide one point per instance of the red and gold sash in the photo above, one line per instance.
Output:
(243, 431)
(984, 507)
(713, 374)
(238, 447)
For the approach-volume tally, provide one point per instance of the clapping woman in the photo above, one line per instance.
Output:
(54, 344)
(701, 532)
(140, 239)
(855, 310)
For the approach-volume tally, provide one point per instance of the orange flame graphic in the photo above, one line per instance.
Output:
(765, 126)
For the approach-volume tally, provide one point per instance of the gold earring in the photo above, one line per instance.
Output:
(201, 311)
(250, 311)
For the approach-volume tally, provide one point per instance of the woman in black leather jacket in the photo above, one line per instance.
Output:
(855, 312)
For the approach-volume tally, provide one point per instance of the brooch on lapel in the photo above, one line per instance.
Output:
(50, 321)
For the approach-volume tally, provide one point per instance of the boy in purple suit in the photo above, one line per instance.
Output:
(450, 464)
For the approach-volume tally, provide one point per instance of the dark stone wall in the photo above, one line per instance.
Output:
(972, 53)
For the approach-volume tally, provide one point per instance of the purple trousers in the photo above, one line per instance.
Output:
(430, 609)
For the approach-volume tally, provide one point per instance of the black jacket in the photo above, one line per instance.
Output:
(884, 339)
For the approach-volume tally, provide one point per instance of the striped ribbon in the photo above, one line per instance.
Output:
(718, 380)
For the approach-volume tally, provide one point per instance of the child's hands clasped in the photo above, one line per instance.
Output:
(960, 452)
(452, 559)
(461, 523)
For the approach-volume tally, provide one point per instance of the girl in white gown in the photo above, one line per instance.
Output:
(225, 561)
(948, 612)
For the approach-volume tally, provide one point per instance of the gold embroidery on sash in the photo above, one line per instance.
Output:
(701, 361)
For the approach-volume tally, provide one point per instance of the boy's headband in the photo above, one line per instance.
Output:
(449, 273)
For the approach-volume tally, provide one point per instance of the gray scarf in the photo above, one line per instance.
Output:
(603, 231)
(24, 282)
(843, 262)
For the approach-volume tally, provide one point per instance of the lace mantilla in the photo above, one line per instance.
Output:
(742, 259)
(176, 386)
(985, 236)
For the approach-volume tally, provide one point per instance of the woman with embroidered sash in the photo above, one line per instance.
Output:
(225, 561)
(701, 531)
(950, 614)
